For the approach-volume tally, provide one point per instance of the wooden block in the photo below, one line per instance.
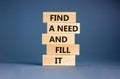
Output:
(59, 17)
(63, 28)
(58, 60)
(58, 38)
(64, 49)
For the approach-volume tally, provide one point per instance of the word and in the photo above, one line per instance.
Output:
(58, 39)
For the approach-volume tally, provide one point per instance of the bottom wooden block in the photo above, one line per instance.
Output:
(58, 60)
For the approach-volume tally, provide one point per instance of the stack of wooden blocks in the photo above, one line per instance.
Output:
(60, 38)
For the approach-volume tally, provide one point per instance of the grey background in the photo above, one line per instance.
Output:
(21, 28)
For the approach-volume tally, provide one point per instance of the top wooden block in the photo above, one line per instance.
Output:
(59, 17)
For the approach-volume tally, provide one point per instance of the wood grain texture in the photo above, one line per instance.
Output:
(46, 16)
(66, 60)
(46, 38)
(63, 49)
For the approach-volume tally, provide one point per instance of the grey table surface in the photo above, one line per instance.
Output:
(80, 71)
